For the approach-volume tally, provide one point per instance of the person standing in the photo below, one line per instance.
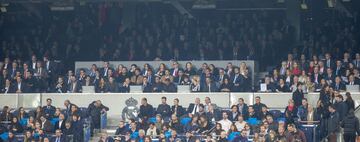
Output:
(351, 126)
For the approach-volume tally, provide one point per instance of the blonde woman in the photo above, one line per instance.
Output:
(195, 84)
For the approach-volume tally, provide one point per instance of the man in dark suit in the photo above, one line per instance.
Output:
(68, 106)
(146, 110)
(77, 128)
(353, 80)
(177, 109)
(104, 70)
(164, 108)
(14, 69)
(175, 69)
(210, 86)
(339, 69)
(95, 110)
(329, 76)
(316, 77)
(46, 125)
(146, 85)
(234, 113)
(180, 77)
(258, 106)
(193, 107)
(329, 63)
(168, 86)
(61, 123)
(59, 137)
(49, 110)
(7, 63)
(150, 77)
(243, 108)
(220, 78)
(31, 82)
(338, 85)
(20, 87)
(33, 62)
(236, 80)
(75, 86)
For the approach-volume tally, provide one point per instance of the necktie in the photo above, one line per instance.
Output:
(328, 63)
(194, 111)
(235, 79)
(57, 139)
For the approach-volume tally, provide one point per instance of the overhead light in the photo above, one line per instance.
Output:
(280, 1)
(303, 5)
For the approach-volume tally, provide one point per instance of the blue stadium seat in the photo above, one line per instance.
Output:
(185, 121)
(233, 135)
(253, 121)
(54, 120)
(24, 121)
(4, 136)
(276, 114)
(152, 120)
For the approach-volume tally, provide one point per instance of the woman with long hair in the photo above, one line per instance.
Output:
(349, 101)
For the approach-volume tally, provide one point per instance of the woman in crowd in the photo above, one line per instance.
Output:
(22, 114)
(290, 112)
(189, 69)
(161, 70)
(204, 124)
(6, 115)
(15, 126)
(226, 86)
(195, 84)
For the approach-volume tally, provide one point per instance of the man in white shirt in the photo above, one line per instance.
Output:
(225, 122)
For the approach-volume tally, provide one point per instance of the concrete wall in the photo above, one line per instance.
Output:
(116, 102)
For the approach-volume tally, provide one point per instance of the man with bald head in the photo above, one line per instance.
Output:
(193, 107)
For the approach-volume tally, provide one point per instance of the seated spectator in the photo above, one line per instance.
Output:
(106, 138)
(59, 137)
(189, 70)
(74, 86)
(169, 86)
(22, 114)
(146, 110)
(193, 108)
(240, 123)
(8, 87)
(264, 113)
(112, 85)
(146, 86)
(158, 85)
(295, 134)
(338, 85)
(175, 124)
(180, 77)
(164, 109)
(15, 126)
(68, 129)
(125, 86)
(46, 125)
(213, 114)
(234, 113)
(270, 87)
(121, 130)
(60, 86)
(185, 81)
(243, 108)
(49, 110)
(60, 125)
(152, 131)
(209, 86)
(226, 86)
(302, 110)
(6, 115)
(273, 125)
(102, 86)
(20, 87)
(177, 109)
(225, 122)
(352, 80)
(236, 80)
(167, 75)
(282, 87)
(298, 95)
(252, 113)
(195, 84)
(137, 78)
(201, 110)
(258, 105)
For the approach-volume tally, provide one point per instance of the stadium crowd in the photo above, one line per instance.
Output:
(49, 123)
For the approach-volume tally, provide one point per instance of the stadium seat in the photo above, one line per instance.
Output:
(185, 121)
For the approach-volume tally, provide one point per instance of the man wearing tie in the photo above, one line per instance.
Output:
(175, 70)
(356, 62)
(339, 70)
(58, 136)
(193, 107)
(20, 86)
(328, 62)
(49, 110)
(236, 80)
(353, 80)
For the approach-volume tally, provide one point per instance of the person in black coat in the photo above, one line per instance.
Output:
(351, 126)
(177, 109)
(243, 108)
(349, 101)
(122, 129)
(15, 126)
(59, 137)
(95, 110)
(68, 129)
(146, 86)
(341, 107)
(234, 113)
(61, 123)
(77, 129)
(146, 110)
(164, 109)
(168, 86)
(298, 95)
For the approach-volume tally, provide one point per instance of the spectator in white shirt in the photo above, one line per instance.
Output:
(225, 122)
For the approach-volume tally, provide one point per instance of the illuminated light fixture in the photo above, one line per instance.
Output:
(303, 5)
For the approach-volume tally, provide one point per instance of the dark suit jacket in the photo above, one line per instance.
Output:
(23, 87)
(164, 110)
(180, 111)
(318, 79)
(62, 139)
(49, 112)
(339, 87)
(62, 127)
(244, 111)
(146, 111)
(77, 88)
(213, 88)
